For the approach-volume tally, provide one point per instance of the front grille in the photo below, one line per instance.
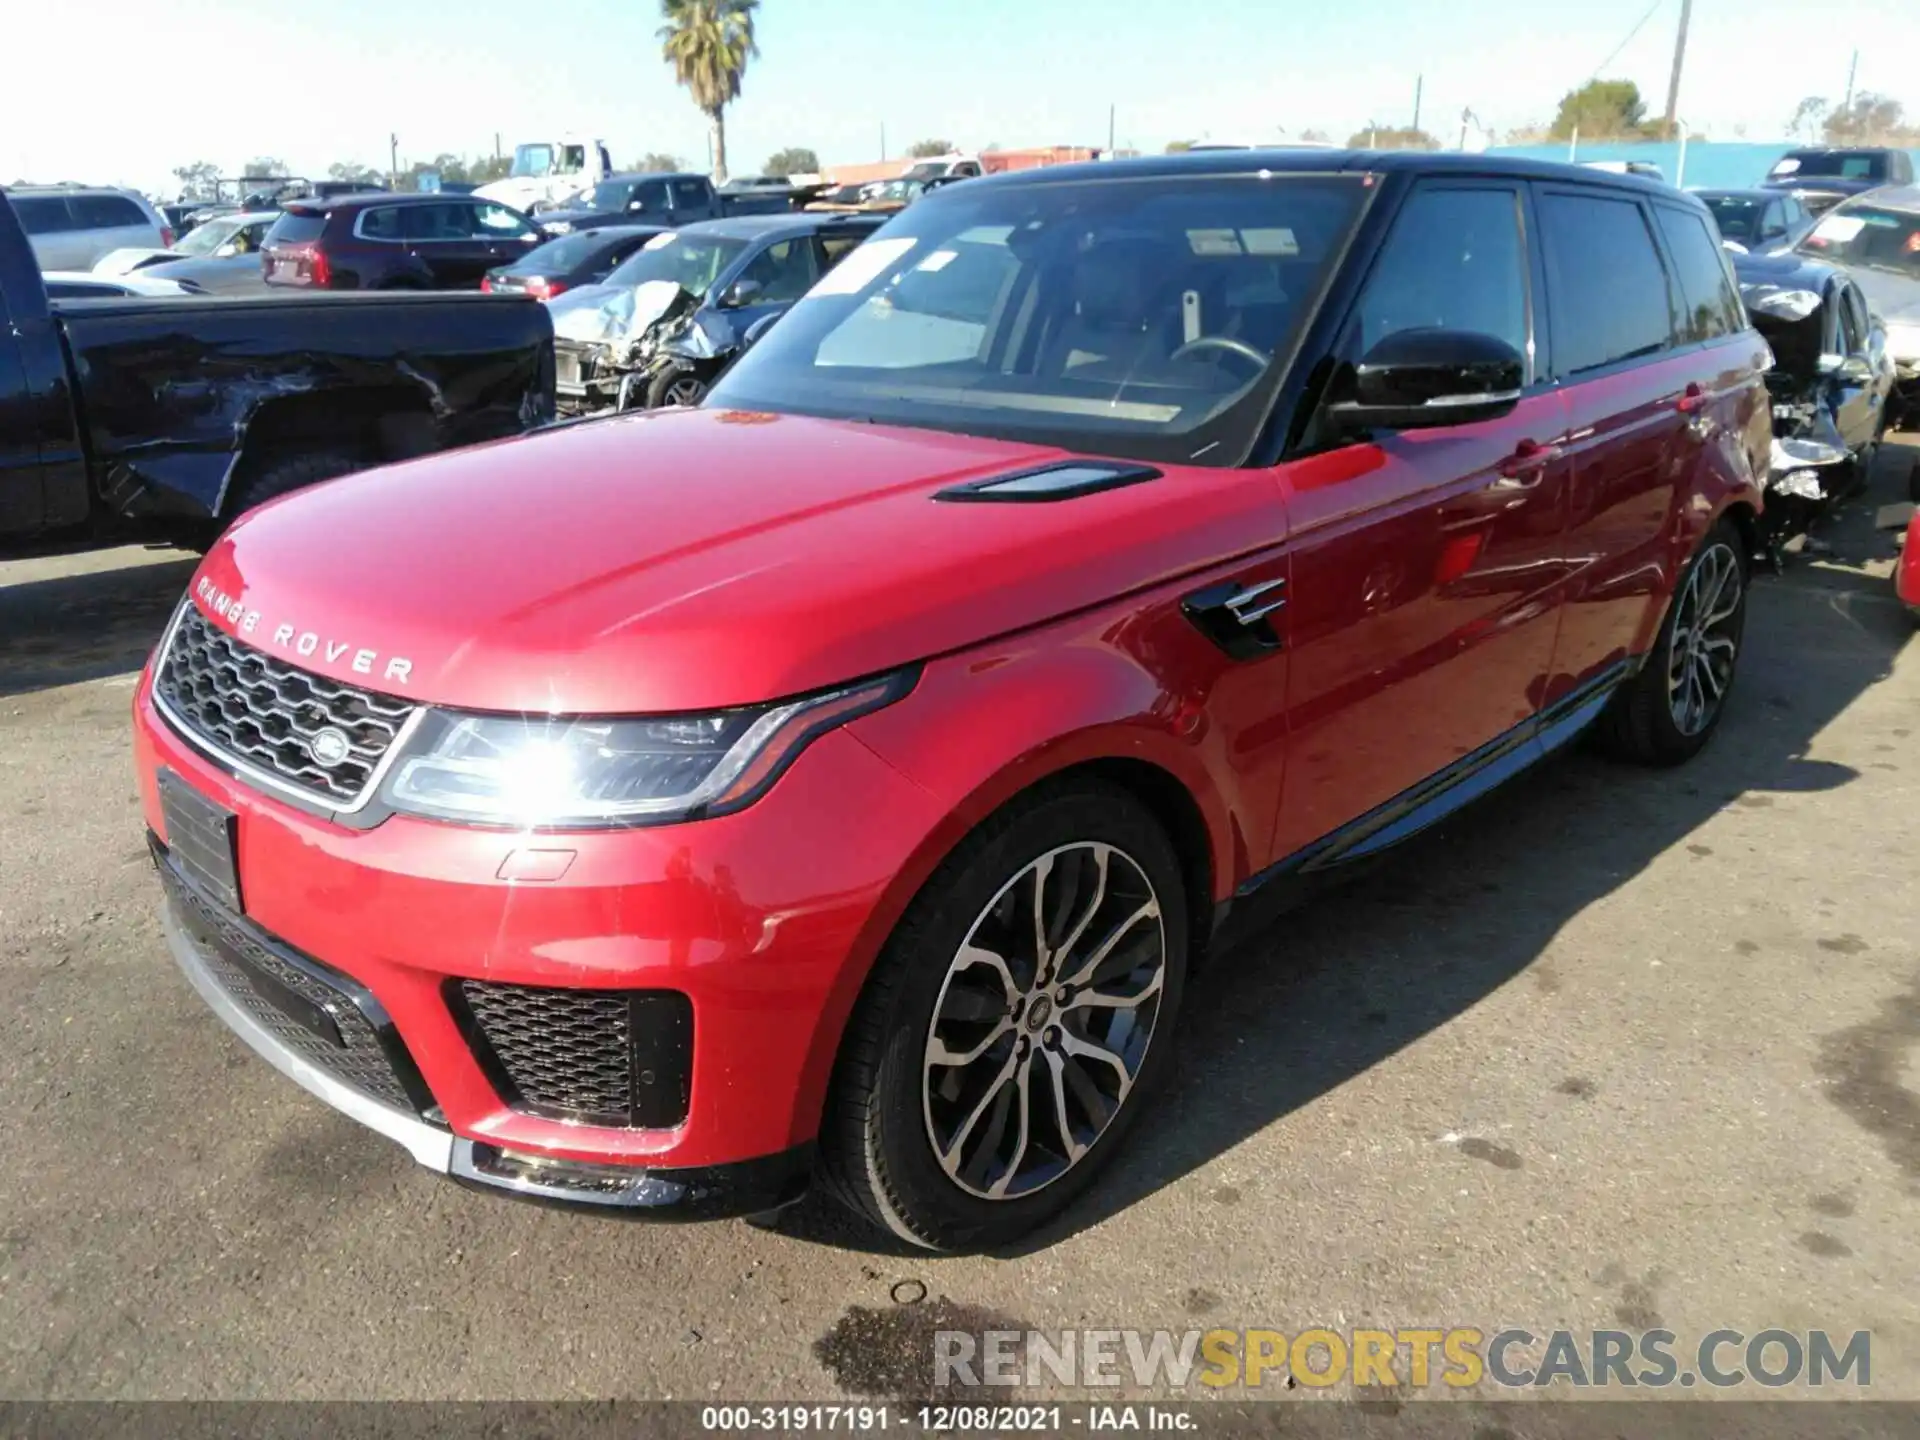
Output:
(256, 710)
(369, 1055)
(600, 1057)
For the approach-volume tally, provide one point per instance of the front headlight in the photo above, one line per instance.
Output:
(1787, 304)
(539, 771)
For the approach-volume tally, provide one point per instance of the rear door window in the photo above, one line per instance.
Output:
(428, 224)
(1712, 301)
(107, 212)
(1606, 287)
(497, 222)
(44, 214)
(690, 194)
(1455, 261)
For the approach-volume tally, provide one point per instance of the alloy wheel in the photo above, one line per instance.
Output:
(1706, 639)
(685, 392)
(1044, 1020)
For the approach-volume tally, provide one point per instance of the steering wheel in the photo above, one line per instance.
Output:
(1259, 358)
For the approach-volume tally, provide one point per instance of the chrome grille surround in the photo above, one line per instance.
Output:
(258, 715)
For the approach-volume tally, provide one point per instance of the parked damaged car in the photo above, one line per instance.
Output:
(1876, 240)
(1829, 386)
(173, 415)
(672, 317)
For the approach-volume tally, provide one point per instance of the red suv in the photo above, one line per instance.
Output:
(394, 242)
(842, 778)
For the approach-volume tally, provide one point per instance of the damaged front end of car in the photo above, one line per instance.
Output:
(1811, 464)
(607, 343)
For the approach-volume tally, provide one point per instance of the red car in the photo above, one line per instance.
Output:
(394, 242)
(1907, 577)
(841, 779)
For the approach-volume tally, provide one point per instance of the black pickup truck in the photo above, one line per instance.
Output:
(171, 416)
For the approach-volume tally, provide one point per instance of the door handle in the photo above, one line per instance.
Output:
(1526, 466)
(1692, 399)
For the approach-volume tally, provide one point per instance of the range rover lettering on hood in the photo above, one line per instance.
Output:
(395, 669)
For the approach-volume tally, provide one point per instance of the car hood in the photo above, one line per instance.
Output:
(687, 560)
(125, 262)
(519, 193)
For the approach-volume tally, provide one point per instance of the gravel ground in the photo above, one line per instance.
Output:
(1617, 1048)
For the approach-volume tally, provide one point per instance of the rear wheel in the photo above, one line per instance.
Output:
(1668, 712)
(1014, 1024)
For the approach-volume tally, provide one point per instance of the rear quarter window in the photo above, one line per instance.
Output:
(107, 212)
(1606, 287)
(1712, 301)
(43, 214)
(297, 227)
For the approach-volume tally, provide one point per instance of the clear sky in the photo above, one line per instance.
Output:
(123, 90)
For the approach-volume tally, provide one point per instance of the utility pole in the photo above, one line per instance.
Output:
(883, 139)
(1110, 110)
(1852, 66)
(496, 144)
(1419, 85)
(393, 160)
(1679, 61)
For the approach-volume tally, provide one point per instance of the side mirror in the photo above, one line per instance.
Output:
(1418, 379)
(636, 207)
(741, 292)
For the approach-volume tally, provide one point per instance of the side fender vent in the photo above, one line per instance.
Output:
(1060, 480)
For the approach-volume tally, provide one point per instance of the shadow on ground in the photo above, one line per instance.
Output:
(64, 629)
(1321, 993)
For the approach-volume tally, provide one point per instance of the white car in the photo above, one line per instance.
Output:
(85, 285)
(217, 239)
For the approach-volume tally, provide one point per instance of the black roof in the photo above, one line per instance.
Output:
(788, 222)
(314, 203)
(630, 175)
(1325, 161)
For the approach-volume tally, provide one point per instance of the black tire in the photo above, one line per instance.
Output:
(1642, 724)
(877, 1145)
(289, 473)
(676, 385)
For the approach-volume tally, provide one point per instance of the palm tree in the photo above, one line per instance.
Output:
(708, 43)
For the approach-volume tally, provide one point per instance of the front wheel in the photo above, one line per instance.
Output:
(1668, 712)
(1014, 1024)
(676, 385)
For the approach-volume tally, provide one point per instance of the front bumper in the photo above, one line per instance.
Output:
(676, 1193)
(766, 935)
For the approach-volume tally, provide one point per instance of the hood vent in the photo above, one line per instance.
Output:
(1060, 480)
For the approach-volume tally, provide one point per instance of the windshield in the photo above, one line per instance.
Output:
(1832, 164)
(1128, 317)
(610, 195)
(531, 160)
(1737, 217)
(691, 262)
(1869, 235)
(209, 237)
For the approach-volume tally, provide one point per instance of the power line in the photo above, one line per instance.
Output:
(1638, 27)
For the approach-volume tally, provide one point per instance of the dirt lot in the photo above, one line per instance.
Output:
(1618, 1048)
